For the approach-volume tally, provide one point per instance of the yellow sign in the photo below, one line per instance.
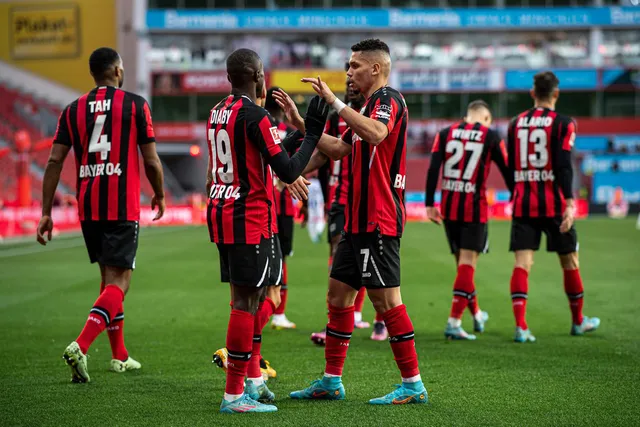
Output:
(289, 80)
(44, 32)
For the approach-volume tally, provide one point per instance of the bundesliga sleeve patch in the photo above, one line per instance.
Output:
(275, 134)
(383, 111)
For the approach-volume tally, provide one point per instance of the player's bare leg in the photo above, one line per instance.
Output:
(519, 291)
(463, 291)
(575, 293)
(104, 311)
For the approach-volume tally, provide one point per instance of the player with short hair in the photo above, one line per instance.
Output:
(539, 147)
(369, 252)
(466, 149)
(243, 140)
(105, 127)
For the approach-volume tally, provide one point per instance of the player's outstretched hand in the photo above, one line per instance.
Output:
(567, 218)
(321, 88)
(160, 203)
(299, 188)
(316, 116)
(290, 109)
(44, 227)
(434, 214)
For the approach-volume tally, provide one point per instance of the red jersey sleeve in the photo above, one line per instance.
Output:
(264, 133)
(63, 135)
(145, 125)
(569, 137)
(386, 108)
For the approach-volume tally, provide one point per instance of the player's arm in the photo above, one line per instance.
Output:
(432, 179)
(374, 129)
(334, 148)
(59, 150)
(152, 163)
(318, 159)
(499, 156)
(563, 170)
(288, 168)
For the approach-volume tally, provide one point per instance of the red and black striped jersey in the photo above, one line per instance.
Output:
(339, 170)
(466, 150)
(539, 147)
(378, 173)
(272, 179)
(104, 127)
(285, 204)
(242, 138)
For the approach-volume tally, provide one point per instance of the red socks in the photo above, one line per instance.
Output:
(283, 291)
(379, 317)
(519, 289)
(402, 341)
(339, 330)
(265, 310)
(575, 292)
(362, 293)
(104, 311)
(239, 345)
(115, 330)
(463, 289)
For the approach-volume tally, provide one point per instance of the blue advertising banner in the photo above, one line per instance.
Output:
(404, 19)
(578, 79)
(626, 163)
(605, 184)
(448, 80)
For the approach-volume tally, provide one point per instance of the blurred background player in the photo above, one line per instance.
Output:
(540, 142)
(243, 135)
(369, 252)
(466, 149)
(99, 126)
(285, 211)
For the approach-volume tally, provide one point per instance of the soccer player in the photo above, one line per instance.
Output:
(243, 139)
(466, 149)
(285, 211)
(105, 127)
(338, 186)
(539, 151)
(369, 252)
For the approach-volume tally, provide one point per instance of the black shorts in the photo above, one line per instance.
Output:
(245, 264)
(275, 266)
(467, 235)
(336, 221)
(527, 232)
(367, 259)
(112, 243)
(285, 234)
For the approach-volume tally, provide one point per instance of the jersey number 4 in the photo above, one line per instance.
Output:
(452, 169)
(221, 150)
(99, 143)
(540, 156)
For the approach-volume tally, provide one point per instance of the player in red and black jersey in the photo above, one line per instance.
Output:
(285, 211)
(105, 127)
(337, 191)
(369, 252)
(243, 140)
(539, 146)
(466, 149)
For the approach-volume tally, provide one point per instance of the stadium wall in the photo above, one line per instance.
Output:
(54, 39)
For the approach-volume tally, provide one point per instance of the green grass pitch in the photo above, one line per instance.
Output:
(177, 313)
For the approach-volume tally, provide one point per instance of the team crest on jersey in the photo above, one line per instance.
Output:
(275, 134)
